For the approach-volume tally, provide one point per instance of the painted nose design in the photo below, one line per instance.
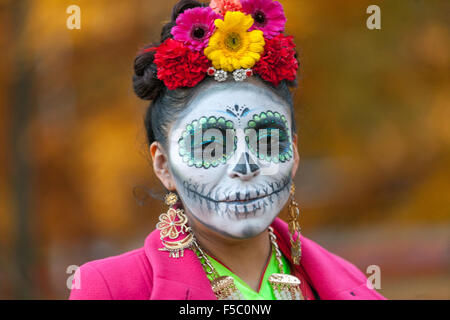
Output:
(246, 168)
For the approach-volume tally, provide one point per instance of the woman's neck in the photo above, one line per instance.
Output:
(246, 258)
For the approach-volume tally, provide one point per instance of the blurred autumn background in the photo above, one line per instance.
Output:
(373, 115)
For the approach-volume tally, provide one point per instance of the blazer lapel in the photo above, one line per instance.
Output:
(176, 279)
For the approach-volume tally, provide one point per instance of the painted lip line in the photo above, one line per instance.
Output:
(242, 202)
(249, 201)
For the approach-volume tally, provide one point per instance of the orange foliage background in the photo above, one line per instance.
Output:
(372, 111)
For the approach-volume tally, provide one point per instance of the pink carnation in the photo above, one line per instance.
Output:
(222, 6)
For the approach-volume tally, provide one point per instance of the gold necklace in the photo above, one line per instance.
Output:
(285, 286)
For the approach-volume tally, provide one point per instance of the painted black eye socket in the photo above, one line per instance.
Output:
(268, 137)
(208, 142)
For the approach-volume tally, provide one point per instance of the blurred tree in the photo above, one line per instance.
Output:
(21, 103)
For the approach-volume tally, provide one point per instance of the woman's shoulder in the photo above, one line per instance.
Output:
(123, 277)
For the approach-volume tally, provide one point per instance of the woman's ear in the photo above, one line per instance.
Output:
(296, 155)
(161, 166)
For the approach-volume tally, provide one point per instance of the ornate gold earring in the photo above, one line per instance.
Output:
(294, 228)
(173, 224)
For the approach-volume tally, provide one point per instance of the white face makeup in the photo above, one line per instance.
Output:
(241, 189)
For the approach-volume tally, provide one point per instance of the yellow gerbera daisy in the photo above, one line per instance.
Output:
(232, 47)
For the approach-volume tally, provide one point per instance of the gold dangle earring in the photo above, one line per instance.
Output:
(294, 228)
(173, 224)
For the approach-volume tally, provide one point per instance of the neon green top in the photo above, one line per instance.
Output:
(265, 292)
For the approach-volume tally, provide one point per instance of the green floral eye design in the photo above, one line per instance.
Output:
(268, 137)
(208, 142)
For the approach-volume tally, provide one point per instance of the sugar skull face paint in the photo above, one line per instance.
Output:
(229, 189)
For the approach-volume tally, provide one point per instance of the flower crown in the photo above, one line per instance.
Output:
(241, 37)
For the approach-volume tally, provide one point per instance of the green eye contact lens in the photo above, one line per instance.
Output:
(268, 137)
(208, 142)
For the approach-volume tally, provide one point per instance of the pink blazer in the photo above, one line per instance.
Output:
(148, 273)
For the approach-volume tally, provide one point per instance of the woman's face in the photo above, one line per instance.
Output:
(231, 157)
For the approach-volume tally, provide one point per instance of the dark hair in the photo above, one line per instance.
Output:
(167, 104)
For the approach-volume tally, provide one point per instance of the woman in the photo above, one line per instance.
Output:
(221, 132)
